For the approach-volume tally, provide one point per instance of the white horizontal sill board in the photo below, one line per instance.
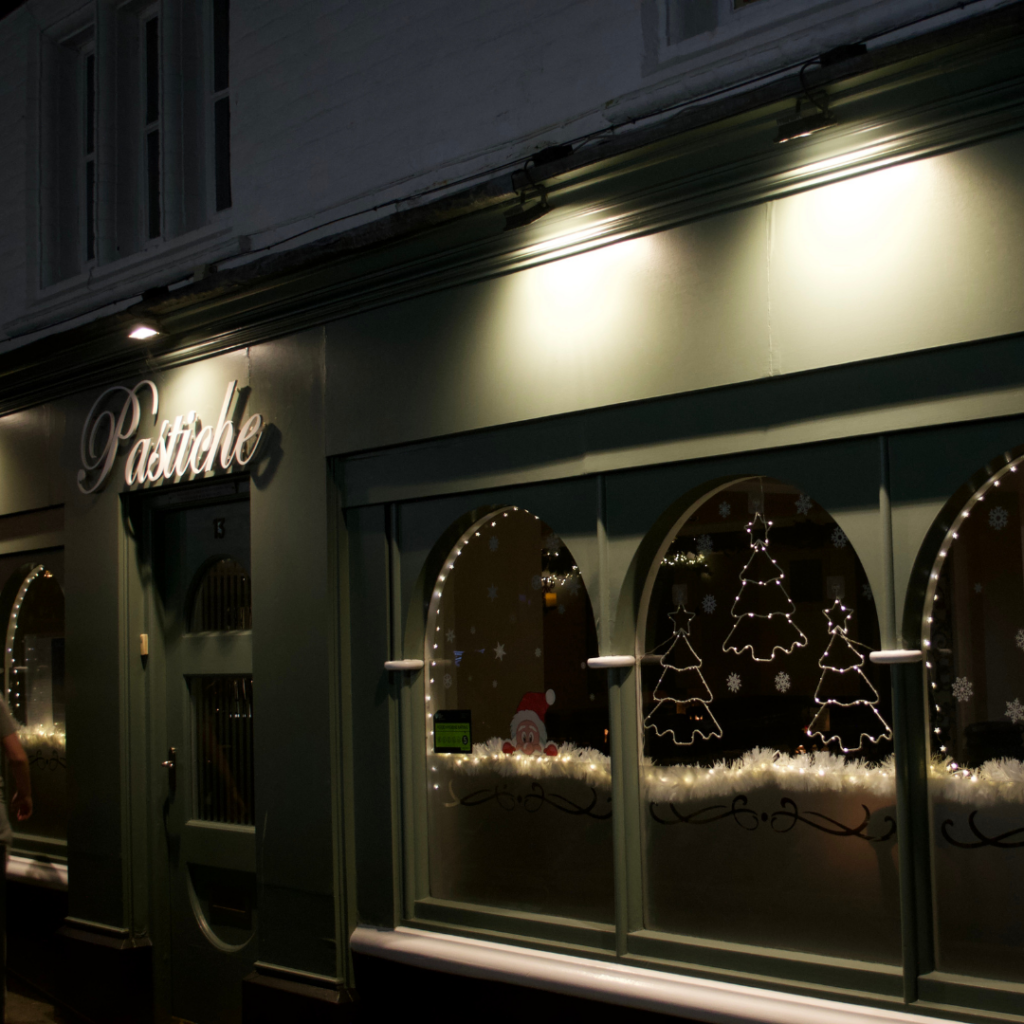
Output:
(49, 874)
(623, 984)
(896, 657)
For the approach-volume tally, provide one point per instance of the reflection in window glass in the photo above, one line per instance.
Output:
(34, 676)
(766, 738)
(517, 726)
(974, 636)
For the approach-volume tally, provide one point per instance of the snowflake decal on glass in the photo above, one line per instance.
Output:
(803, 505)
(998, 517)
(492, 592)
(733, 682)
(450, 636)
(725, 510)
(1015, 711)
(782, 682)
(447, 682)
(537, 652)
(709, 604)
(963, 688)
(493, 543)
(866, 591)
(494, 683)
(553, 543)
(704, 545)
(839, 539)
(1019, 639)
(536, 583)
(574, 586)
(978, 588)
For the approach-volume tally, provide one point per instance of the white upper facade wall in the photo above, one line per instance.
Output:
(343, 112)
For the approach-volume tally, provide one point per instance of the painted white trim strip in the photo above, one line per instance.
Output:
(622, 984)
(612, 661)
(406, 665)
(47, 873)
(896, 657)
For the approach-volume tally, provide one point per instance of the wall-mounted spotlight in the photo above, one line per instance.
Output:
(533, 199)
(804, 126)
(526, 212)
(820, 118)
(141, 331)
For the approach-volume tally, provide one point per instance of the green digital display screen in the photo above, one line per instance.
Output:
(453, 733)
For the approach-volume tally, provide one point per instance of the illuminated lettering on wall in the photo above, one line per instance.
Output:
(182, 447)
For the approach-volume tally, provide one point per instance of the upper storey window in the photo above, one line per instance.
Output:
(69, 153)
(135, 140)
(686, 19)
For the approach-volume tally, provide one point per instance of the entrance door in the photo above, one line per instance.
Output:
(203, 585)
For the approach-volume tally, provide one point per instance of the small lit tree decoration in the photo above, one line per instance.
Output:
(841, 716)
(763, 599)
(681, 686)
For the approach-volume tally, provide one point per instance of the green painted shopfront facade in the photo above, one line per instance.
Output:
(628, 605)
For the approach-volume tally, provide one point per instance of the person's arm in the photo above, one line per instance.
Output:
(21, 800)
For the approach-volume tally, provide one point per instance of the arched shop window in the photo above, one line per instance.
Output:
(34, 685)
(518, 780)
(767, 772)
(973, 636)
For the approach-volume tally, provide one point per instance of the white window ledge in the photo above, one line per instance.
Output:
(622, 984)
(47, 873)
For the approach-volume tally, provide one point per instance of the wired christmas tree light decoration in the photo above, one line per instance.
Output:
(844, 717)
(682, 691)
(763, 610)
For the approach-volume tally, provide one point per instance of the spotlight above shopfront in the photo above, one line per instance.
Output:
(804, 126)
(143, 331)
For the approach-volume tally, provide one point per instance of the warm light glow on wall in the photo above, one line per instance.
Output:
(843, 220)
(574, 320)
(861, 268)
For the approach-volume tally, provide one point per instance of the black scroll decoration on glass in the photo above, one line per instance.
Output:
(532, 801)
(1000, 841)
(783, 820)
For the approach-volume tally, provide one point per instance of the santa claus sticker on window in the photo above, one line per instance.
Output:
(528, 734)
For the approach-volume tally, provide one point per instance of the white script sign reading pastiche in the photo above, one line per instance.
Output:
(183, 445)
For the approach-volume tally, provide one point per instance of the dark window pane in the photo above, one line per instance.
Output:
(689, 18)
(224, 761)
(223, 599)
(222, 152)
(153, 182)
(152, 70)
(220, 45)
(90, 103)
(90, 210)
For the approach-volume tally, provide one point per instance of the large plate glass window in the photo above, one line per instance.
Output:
(518, 780)
(767, 772)
(973, 634)
(34, 686)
